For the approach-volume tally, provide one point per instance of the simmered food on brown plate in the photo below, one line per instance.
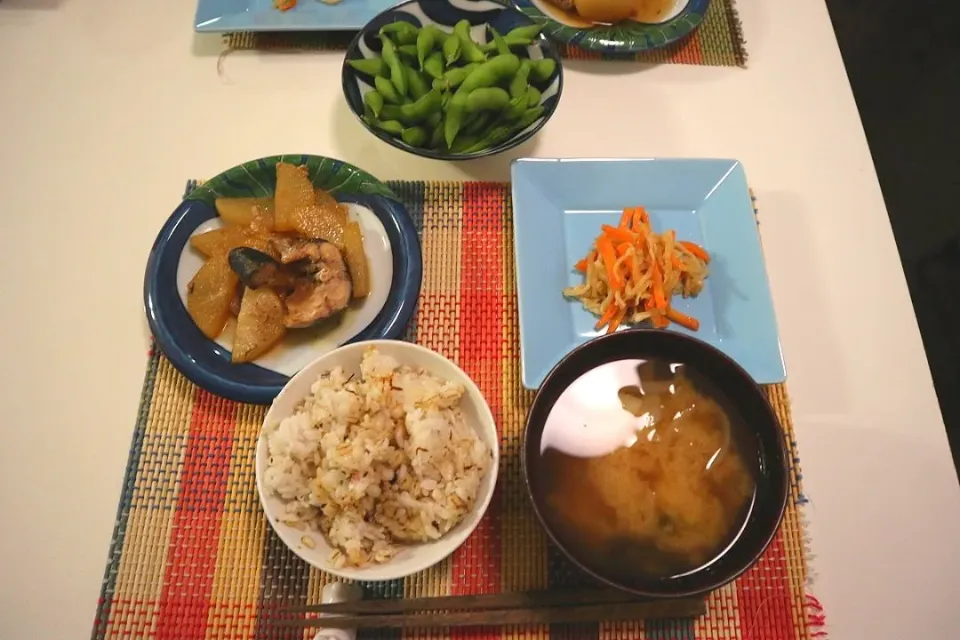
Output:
(278, 264)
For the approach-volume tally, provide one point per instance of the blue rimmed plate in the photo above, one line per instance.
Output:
(390, 241)
(558, 207)
(219, 16)
(657, 23)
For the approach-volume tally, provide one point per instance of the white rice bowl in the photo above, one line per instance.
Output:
(330, 452)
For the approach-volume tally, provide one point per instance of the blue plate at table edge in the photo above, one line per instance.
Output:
(206, 363)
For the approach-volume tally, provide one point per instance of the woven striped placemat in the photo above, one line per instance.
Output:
(718, 42)
(193, 557)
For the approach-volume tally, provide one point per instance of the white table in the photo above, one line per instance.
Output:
(100, 125)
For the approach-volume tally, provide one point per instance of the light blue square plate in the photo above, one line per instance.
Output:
(216, 16)
(558, 207)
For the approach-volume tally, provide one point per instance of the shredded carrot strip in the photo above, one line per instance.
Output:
(582, 264)
(683, 319)
(640, 218)
(618, 234)
(635, 267)
(659, 299)
(607, 316)
(695, 249)
(609, 256)
(625, 218)
(617, 319)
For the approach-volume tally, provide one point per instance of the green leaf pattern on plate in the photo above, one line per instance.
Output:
(258, 179)
(623, 37)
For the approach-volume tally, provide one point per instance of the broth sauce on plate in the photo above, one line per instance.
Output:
(645, 470)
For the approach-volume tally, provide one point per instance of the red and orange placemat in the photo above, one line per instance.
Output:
(193, 557)
(717, 42)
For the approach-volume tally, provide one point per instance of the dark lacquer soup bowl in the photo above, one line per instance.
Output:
(655, 463)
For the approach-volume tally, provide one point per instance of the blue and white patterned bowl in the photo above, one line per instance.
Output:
(482, 14)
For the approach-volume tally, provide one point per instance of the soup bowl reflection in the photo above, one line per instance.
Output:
(577, 412)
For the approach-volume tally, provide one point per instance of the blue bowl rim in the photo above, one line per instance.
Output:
(548, 48)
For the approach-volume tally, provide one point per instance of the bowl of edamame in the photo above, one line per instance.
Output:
(452, 79)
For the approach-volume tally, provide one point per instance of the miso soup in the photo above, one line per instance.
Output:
(645, 469)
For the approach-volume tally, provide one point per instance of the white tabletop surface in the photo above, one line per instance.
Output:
(101, 124)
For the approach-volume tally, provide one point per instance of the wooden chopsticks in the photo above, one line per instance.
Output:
(500, 609)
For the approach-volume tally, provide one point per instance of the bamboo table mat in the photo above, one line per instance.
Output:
(193, 557)
(717, 42)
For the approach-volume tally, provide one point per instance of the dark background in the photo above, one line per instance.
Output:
(903, 61)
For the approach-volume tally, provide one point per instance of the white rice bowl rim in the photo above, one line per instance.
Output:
(411, 558)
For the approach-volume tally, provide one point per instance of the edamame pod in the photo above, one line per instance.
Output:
(501, 133)
(387, 126)
(489, 99)
(541, 70)
(401, 31)
(416, 85)
(369, 66)
(469, 50)
(498, 42)
(374, 100)
(478, 123)
(509, 40)
(408, 50)
(391, 112)
(433, 65)
(426, 39)
(397, 75)
(519, 84)
(533, 96)
(455, 112)
(529, 32)
(414, 136)
(433, 120)
(421, 109)
(451, 50)
(436, 138)
(516, 108)
(490, 73)
(528, 118)
(386, 89)
(493, 137)
(453, 78)
(463, 143)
